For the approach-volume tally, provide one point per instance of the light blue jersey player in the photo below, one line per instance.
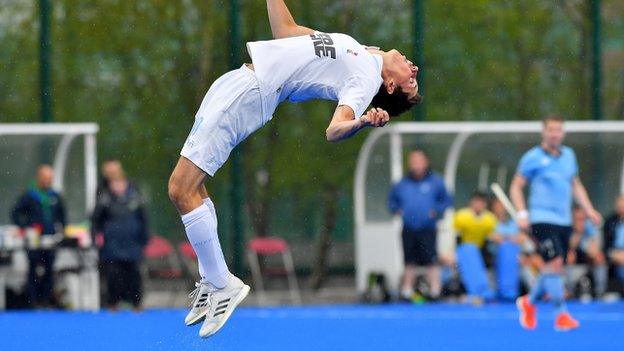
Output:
(551, 171)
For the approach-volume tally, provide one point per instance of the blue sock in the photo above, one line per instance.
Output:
(554, 287)
(538, 289)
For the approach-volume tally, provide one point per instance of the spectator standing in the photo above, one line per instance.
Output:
(110, 168)
(120, 218)
(42, 209)
(614, 240)
(420, 198)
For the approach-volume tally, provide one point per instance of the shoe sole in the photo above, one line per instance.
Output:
(200, 317)
(567, 329)
(239, 298)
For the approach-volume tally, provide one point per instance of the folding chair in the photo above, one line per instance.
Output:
(189, 259)
(162, 263)
(270, 246)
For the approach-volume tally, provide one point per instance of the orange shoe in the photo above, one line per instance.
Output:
(528, 313)
(565, 322)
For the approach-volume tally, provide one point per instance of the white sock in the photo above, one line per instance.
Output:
(201, 230)
(202, 274)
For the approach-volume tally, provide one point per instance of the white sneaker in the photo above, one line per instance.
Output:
(199, 303)
(222, 303)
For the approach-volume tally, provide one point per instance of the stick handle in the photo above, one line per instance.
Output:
(502, 197)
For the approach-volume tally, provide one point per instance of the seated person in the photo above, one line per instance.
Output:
(507, 243)
(474, 225)
(584, 248)
(614, 240)
(506, 228)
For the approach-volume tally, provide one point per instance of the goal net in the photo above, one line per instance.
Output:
(469, 156)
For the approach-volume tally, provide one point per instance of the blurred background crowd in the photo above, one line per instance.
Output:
(493, 259)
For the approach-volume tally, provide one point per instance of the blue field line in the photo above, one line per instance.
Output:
(337, 327)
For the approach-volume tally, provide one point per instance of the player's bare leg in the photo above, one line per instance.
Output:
(218, 292)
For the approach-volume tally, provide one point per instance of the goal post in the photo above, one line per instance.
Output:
(70, 148)
(75, 167)
(469, 156)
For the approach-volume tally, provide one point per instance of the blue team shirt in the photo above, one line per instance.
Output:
(619, 236)
(550, 178)
(589, 230)
(416, 198)
(508, 228)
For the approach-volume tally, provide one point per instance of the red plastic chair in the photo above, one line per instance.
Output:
(162, 264)
(159, 252)
(186, 250)
(270, 246)
(157, 247)
(189, 259)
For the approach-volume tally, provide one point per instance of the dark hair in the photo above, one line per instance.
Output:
(552, 118)
(395, 103)
(479, 195)
(419, 150)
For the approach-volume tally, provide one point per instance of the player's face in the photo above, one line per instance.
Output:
(619, 206)
(118, 186)
(498, 209)
(405, 73)
(418, 164)
(553, 133)
(111, 168)
(45, 176)
(478, 205)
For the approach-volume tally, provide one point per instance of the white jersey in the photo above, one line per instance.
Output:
(319, 66)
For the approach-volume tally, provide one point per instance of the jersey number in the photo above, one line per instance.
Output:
(323, 45)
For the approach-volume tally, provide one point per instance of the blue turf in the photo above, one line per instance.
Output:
(357, 327)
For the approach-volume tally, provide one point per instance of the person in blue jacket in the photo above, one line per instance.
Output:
(420, 198)
(119, 217)
(42, 209)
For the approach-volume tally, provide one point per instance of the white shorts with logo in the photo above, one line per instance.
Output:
(229, 113)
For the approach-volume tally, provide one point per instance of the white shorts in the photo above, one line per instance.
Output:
(229, 113)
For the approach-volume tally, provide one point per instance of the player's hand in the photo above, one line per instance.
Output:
(594, 216)
(376, 117)
(520, 238)
(571, 259)
(617, 256)
(497, 238)
(523, 224)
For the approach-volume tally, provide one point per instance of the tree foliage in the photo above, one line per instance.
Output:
(140, 69)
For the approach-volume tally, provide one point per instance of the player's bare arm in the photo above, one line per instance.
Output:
(581, 197)
(516, 192)
(283, 24)
(343, 124)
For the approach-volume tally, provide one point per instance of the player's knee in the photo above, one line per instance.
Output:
(178, 194)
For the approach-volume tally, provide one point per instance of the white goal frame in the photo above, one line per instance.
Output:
(83, 288)
(377, 243)
(69, 133)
